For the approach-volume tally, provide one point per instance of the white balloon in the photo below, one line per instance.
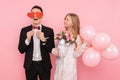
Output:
(91, 57)
(111, 52)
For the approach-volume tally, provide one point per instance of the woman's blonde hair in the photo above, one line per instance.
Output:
(76, 24)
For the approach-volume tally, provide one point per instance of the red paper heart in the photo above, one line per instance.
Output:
(39, 15)
(32, 14)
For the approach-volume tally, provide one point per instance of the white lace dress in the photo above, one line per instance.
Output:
(66, 63)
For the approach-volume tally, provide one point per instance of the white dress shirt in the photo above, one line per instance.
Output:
(36, 46)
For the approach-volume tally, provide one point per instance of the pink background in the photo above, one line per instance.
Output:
(103, 15)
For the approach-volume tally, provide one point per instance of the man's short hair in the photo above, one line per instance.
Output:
(38, 7)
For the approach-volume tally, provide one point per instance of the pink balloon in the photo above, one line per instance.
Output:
(91, 57)
(87, 33)
(111, 52)
(101, 41)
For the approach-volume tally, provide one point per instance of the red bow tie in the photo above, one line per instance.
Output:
(37, 27)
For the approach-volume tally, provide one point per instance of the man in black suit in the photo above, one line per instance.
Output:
(36, 41)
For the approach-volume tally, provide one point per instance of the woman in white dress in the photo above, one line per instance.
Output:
(66, 54)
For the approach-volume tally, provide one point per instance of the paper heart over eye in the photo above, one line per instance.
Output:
(32, 14)
(39, 15)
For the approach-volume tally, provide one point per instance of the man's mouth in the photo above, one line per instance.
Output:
(35, 18)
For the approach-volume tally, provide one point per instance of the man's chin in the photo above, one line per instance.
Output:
(36, 23)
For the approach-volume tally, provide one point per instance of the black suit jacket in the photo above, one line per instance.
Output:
(45, 49)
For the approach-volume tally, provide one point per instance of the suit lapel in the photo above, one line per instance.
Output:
(29, 29)
(42, 30)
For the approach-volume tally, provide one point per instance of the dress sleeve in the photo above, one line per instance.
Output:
(59, 50)
(55, 50)
(62, 50)
(81, 47)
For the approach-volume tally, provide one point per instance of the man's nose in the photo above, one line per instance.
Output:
(35, 15)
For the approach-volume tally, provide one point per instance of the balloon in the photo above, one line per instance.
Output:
(101, 41)
(87, 33)
(111, 52)
(91, 57)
